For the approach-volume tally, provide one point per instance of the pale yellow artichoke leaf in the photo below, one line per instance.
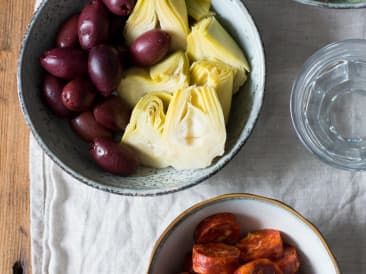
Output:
(142, 19)
(218, 75)
(168, 15)
(169, 75)
(175, 68)
(145, 130)
(135, 84)
(198, 9)
(209, 39)
(195, 128)
(173, 18)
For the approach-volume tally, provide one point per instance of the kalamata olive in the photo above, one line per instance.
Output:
(150, 48)
(67, 36)
(105, 68)
(65, 63)
(52, 89)
(113, 157)
(113, 114)
(87, 128)
(120, 7)
(79, 95)
(93, 26)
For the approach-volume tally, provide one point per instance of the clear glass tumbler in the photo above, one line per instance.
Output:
(328, 104)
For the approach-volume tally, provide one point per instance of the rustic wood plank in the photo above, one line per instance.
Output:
(14, 179)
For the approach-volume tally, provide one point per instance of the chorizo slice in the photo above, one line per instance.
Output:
(215, 258)
(266, 243)
(289, 263)
(221, 227)
(260, 266)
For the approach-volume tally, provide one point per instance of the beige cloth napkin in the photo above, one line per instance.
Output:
(77, 229)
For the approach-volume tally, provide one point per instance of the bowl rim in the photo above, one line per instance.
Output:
(139, 192)
(316, 3)
(245, 196)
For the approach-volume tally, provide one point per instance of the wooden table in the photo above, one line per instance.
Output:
(14, 134)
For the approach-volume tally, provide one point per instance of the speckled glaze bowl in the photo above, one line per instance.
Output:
(253, 213)
(336, 4)
(71, 154)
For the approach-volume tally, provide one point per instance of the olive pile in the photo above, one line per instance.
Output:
(84, 70)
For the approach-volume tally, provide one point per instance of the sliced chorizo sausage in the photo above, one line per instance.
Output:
(260, 266)
(215, 258)
(266, 243)
(221, 227)
(289, 263)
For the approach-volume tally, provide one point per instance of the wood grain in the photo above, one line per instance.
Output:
(14, 179)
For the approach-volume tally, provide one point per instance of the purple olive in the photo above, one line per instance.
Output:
(105, 68)
(67, 36)
(93, 27)
(79, 95)
(65, 63)
(150, 48)
(120, 7)
(52, 89)
(87, 128)
(113, 157)
(113, 114)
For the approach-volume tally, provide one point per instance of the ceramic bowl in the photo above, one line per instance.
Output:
(71, 154)
(337, 4)
(253, 213)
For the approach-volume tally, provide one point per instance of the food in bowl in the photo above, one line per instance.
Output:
(70, 153)
(176, 78)
(218, 249)
(82, 73)
(255, 215)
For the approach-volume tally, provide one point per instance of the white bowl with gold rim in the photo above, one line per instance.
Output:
(253, 213)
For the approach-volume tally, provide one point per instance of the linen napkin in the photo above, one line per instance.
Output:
(77, 229)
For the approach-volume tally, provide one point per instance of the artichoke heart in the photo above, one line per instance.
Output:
(142, 19)
(170, 15)
(198, 9)
(195, 128)
(209, 39)
(135, 84)
(176, 66)
(169, 75)
(144, 132)
(218, 75)
(173, 18)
